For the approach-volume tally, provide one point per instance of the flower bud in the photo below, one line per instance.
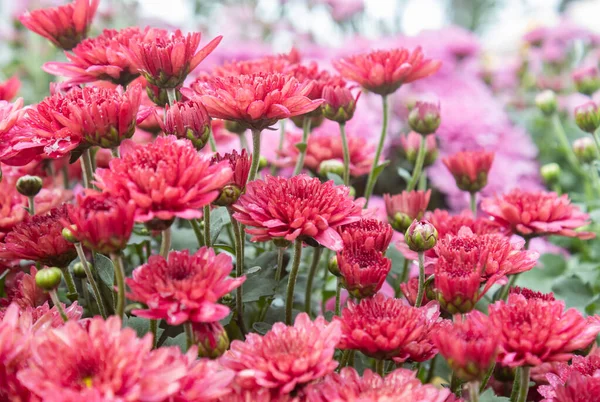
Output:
(48, 278)
(211, 339)
(229, 195)
(546, 102)
(331, 166)
(262, 162)
(424, 118)
(333, 266)
(411, 144)
(188, 120)
(29, 186)
(587, 117)
(421, 236)
(339, 103)
(67, 233)
(587, 80)
(78, 271)
(550, 172)
(235, 127)
(585, 150)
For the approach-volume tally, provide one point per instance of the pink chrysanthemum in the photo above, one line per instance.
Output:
(64, 26)
(369, 233)
(285, 357)
(537, 213)
(14, 352)
(101, 362)
(10, 113)
(240, 165)
(578, 382)
(534, 328)
(363, 270)
(22, 291)
(9, 88)
(298, 207)
(186, 120)
(389, 329)
(384, 71)
(410, 290)
(165, 179)
(183, 287)
(470, 169)
(206, 380)
(402, 209)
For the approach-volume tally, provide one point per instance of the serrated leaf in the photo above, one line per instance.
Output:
(489, 396)
(219, 217)
(106, 270)
(573, 291)
(259, 284)
(141, 326)
(337, 180)
(262, 327)
(179, 341)
(183, 239)
(542, 277)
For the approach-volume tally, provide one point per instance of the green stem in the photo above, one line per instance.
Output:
(305, 131)
(211, 139)
(65, 175)
(524, 386)
(71, 289)
(564, 141)
(87, 168)
(289, 299)
(311, 275)
(197, 232)
(455, 384)
(58, 304)
(506, 288)
(473, 199)
(280, 255)
(488, 374)
(120, 277)
(346, 152)
(154, 332)
(31, 205)
(431, 370)
(344, 359)
(473, 391)
(371, 180)
(243, 141)
(516, 388)
(338, 298)
(379, 365)
(207, 239)
(189, 334)
(239, 270)
(595, 179)
(255, 154)
(418, 165)
(91, 280)
(165, 244)
(171, 95)
(421, 290)
(597, 139)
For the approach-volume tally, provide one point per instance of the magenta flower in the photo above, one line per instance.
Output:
(363, 270)
(368, 233)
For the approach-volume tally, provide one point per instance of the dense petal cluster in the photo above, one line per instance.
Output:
(240, 165)
(363, 270)
(183, 287)
(9, 88)
(165, 179)
(470, 169)
(537, 213)
(14, 351)
(286, 357)
(577, 382)
(298, 207)
(339, 104)
(402, 209)
(187, 120)
(206, 380)
(368, 233)
(271, 64)
(10, 113)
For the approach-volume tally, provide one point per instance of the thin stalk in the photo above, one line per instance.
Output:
(346, 152)
(344, 359)
(455, 385)
(58, 304)
(197, 232)
(189, 334)
(154, 332)
(379, 365)
(305, 131)
(255, 154)
(87, 169)
(524, 385)
(289, 299)
(564, 142)
(71, 289)
(488, 374)
(418, 165)
(280, 255)
(120, 278)
(421, 290)
(473, 391)
(596, 136)
(211, 139)
(473, 199)
(91, 279)
(595, 179)
(371, 180)
(165, 244)
(311, 275)
(31, 205)
(207, 239)
(431, 370)
(65, 175)
(239, 271)
(506, 288)
(351, 359)
(338, 298)
(516, 388)
(171, 95)
(422, 182)
(243, 140)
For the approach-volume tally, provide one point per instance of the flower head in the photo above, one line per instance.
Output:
(421, 236)
(14, 351)
(339, 104)
(587, 117)
(206, 380)
(187, 120)
(577, 382)
(240, 165)
(410, 147)
(389, 329)
(9, 88)
(424, 118)
(285, 357)
(165, 179)
(298, 207)
(585, 149)
(457, 285)
(165, 61)
(183, 287)
(534, 328)
(402, 209)
(587, 79)
(470, 169)
(64, 26)
(368, 233)
(363, 270)
(537, 213)
(210, 338)
(384, 71)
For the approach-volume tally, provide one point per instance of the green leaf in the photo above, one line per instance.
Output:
(141, 326)
(259, 284)
(405, 174)
(542, 278)
(397, 260)
(573, 291)
(337, 180)
(183, 239)
(106, 270)
(262, 327)
(224, 247)
(179, 341)
(489, 396)
(379, 169)
(219, 217)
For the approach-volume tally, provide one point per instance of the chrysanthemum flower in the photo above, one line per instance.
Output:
(470, 169)
(64, 26)
(534, 328)
(578, 382)
(410, 147)
(410, 290)
(389, 329)
(102, 222)
(10, 113)
(166, 61)
(285, 357)
(187, 120)
(363, 270)
(14, 352)
(339, 104)
(402, 209)
(298, 207)
(240, 165)
(537, 213)
(255, 101)
(456, 285)
(469, 345)
(101, 362)
(369, 233)
(384, 71)
(183, 287)
(206, 380)
(39, 238)
(165, 179)
(9, 88)
(22, 291)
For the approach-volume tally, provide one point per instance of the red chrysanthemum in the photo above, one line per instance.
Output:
(9, 88)
(285, 357)
(22, 291)
(410, 147)
(165, 179)
(101, 362)
(102, 222)
(402, 209)
(384, 71)
(339, 103)
(14, 352)
(183, 287)
(534, 328)
(363, 270)
(240, 165)
(39, 238)
(537, 213)
(187, 119)
(206, 380)
(269, 64)
(10, 113)
(165, 61)
(255, 101)
(368, 233)
(578, 382)
(470, 169)
(298, 207)
(469, 345)
(389, 329)
(457, 283)
(410, 290)
(320, 78)
(64, 26)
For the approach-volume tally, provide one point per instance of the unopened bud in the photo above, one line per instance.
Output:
(78, 271)
(48, 278)
(585, 150)
(69, 236)
(262, 162)
(29, 186)
(421, 236)
(333, 266)
(550, 172)
(331, 166)
(316, 119)
(229, 195)
(546, 102)
(235, 127)
(424, 118)
(211, 339)
(339, 103)
(587, 80)
(587, 117)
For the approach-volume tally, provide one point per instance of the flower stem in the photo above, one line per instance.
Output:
(207, 239)
(564, 142)
(418, 165)
(371, 180)
(31, 205)
(91, 280)
(197, 232)
(255, 154)
(338, 297)
(311, 275)
(506, 288)
(189, 333)
(279, 272)
(473, 199)
(455, 384)
(344, 359)
(238, 238)
(87, 169)
(71, 289)
(120, 277)
(473, 391)
(516, 387)
(421, 290)
(171, 95)
(379, 365)
(58, 304)
(154, 332)
(305, 131)
(431, 370)
(524, 384)
(289, 300)
(211, 139)
(596, 136)
(488, 374)
(165, 244)
(346, 152)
